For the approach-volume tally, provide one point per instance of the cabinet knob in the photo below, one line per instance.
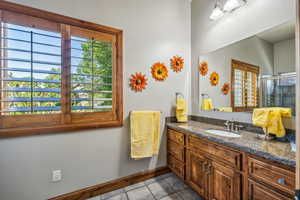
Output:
(208, 168)
(178, 138)
(281, 181)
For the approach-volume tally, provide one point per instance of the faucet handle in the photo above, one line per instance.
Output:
(238, 127)
(227, 122)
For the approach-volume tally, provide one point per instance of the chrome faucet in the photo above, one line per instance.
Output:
(232, 126)
(237, 128)
(229, 125)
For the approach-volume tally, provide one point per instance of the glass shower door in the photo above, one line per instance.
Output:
(279, 91)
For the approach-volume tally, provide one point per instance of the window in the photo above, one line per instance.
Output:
(57, 73)
(244, 80)
(31, 70)
(91, 72)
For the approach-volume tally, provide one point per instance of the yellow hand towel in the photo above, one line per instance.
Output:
(145, 133)
(207, 104)
(270, 119)
(181, 110)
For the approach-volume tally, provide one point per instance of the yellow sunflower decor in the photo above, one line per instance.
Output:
(177, 63)
(225, 88)
(138, 82)
(203, 68)
(159, 71)
(214, 78)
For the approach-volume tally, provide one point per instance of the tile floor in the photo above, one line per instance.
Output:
(165, 187)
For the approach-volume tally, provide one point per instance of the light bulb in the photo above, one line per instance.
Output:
(217, 13)
(230, 5)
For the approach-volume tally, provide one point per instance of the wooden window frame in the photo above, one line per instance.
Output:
(22, 125)
(248, 68)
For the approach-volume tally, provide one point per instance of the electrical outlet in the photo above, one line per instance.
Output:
(56, 175)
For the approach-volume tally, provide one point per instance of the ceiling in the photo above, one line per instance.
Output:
(279, 33)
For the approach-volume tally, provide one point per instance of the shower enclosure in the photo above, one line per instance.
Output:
(279, 91)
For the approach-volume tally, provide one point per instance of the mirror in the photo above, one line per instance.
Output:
(258, 71)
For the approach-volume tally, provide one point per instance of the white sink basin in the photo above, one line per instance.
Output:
(223, 133)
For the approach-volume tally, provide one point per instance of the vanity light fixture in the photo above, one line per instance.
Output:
(217, 12)
(231, 5)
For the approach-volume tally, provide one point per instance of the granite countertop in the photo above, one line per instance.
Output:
(249, 142)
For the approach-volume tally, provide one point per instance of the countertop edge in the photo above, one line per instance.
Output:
(262, 154)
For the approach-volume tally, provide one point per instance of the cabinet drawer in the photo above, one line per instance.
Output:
(176, 150)
(176, 166)
(277, 177)
(260, 192)
(231, 157)
(176, 136)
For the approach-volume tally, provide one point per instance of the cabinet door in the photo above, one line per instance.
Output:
(260, 192)
(224, 183)
(196, 172)
(176, 166)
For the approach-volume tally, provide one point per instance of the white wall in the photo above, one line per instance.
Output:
(153, 31)
(285, 56)
(249, 20)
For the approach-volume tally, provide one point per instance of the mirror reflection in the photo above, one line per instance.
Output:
(256, 72)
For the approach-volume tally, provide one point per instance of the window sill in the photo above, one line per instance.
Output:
(18, 132)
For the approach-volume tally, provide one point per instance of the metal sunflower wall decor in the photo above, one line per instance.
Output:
(225, 88)
(138, 82)
(177, 63)
(214, 78)
(203, 68)
(159, 71)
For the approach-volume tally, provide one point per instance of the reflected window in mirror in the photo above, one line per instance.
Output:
(244, 84)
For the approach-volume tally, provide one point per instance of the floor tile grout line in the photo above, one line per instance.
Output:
(177, 192)
(151, 192)
(136, 187)
(127, 196)
(173, 191)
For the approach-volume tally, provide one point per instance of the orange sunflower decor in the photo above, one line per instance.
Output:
(138, 82)
(159, 71)
(214, 79)
(225, 88)
(203, 68)
(177, 63)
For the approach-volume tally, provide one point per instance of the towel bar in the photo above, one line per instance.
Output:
(179, 94)
(141, 110)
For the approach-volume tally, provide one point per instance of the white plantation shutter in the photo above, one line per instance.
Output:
(57, 73)
(30, 70)
(245, 86)
(239, 77)
(91, 92)
(251, 83)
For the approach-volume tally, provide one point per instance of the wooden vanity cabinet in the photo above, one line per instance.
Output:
(258, 191)
(211, 179)
(270, 174)
(176, 152)
(197, 174)
(218, 172)
(225, 182)
(213, 171)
